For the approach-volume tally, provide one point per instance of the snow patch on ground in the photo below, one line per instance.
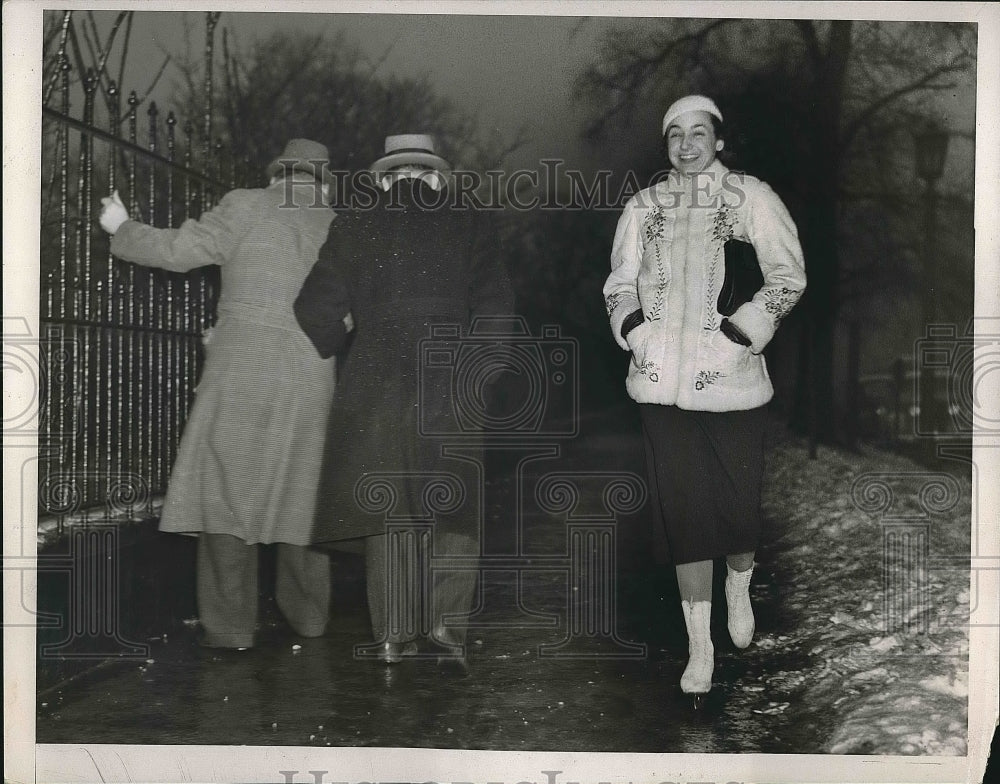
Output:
(887, 633)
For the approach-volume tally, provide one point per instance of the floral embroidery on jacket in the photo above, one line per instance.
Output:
(706, 378)
(651, 370)
(613, 301)
(725, 221)
(778, 302)
(652, 229)
(722, 232)
(653, 223)
(711, 322)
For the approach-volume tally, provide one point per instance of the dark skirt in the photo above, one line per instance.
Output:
(705, 471)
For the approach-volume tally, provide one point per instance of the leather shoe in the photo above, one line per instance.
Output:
(395, 652)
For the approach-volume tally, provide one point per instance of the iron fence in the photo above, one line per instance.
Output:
(121, 344)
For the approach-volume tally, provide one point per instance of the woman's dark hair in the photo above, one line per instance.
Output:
(718, 127)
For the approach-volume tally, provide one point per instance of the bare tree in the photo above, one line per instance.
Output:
(323, 87)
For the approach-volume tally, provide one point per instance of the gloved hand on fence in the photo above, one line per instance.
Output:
(113, 213)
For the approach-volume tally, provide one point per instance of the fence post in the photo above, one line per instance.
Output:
(82, 315)
(153, 397)
(57, 404)
(174, 363)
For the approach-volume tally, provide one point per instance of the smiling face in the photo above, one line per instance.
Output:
(691, 142)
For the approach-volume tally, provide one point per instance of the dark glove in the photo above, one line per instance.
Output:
(632, 320)
(734, 333)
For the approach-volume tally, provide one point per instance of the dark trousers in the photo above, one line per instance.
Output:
(406, 600)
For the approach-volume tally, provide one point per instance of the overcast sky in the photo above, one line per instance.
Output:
(513, 71)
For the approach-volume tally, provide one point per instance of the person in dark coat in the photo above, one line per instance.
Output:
(412, 267)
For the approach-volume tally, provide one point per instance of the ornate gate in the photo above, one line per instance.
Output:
(121, 344)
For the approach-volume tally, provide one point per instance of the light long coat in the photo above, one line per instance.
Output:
(249, 459)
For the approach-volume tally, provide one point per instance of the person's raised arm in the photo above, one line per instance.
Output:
(196, 243)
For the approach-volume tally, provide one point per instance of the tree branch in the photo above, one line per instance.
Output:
(128, 38)
(923, 83)
(627, 79)
(152, 85)
(92, 46)
(104, 52)
(77, 54)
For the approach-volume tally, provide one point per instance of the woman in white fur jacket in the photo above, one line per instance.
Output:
(699, 376)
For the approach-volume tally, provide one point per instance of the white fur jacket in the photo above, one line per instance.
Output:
(668, 260)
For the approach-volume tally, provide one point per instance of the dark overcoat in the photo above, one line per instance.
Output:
(413, 276)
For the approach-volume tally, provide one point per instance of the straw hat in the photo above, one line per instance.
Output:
(409, 148)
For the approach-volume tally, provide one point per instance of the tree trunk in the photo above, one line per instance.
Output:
(852, 420)
(819, 231)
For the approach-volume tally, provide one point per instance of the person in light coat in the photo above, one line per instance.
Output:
(699, 377)
(249, 459)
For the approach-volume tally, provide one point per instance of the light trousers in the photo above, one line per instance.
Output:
(227, 589)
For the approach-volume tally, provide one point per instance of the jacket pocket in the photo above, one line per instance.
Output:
(722, 363)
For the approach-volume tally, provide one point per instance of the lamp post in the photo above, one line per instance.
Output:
(931, 150)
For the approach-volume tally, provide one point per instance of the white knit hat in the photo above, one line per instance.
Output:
(689, 103)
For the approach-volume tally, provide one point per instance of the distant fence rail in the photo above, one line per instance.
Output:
(892, 407)
(120, 344)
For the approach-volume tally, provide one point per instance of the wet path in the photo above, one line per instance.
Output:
(511, 697)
